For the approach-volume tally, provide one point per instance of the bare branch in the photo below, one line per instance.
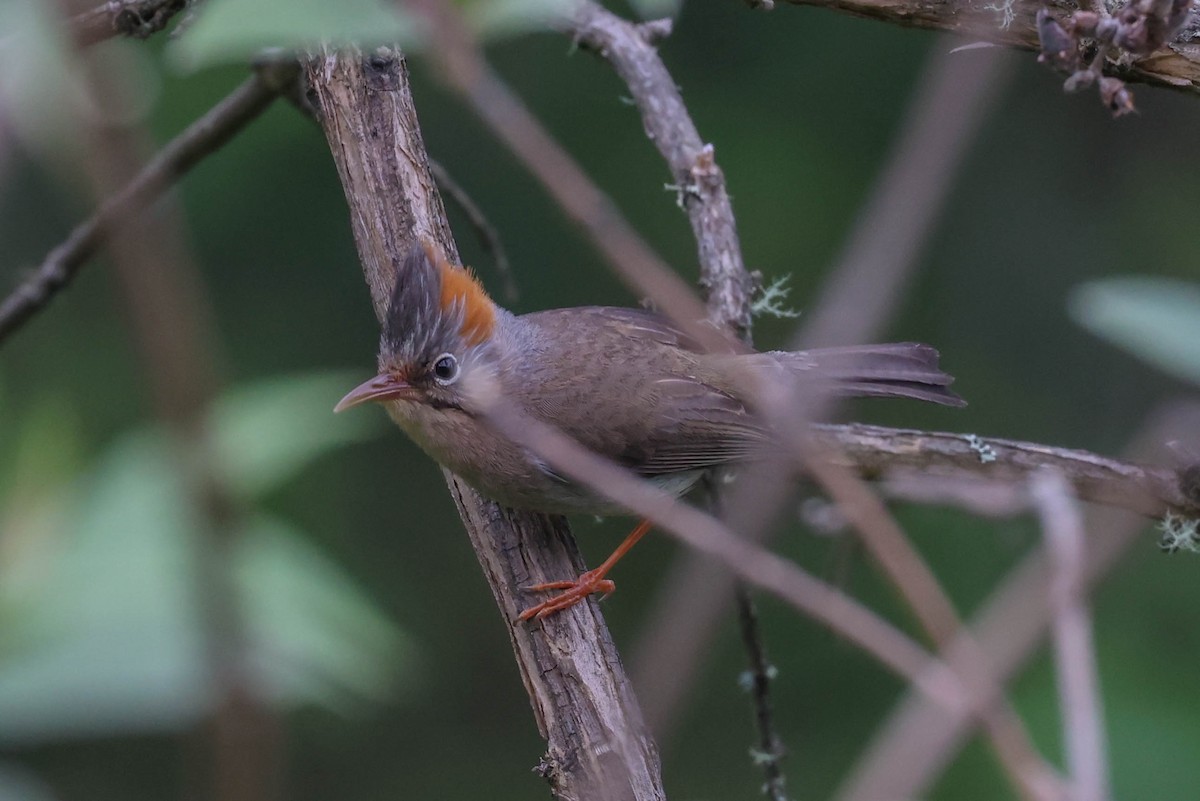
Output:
(1012, 23)
(485, 232)
(1074, 652)
(757, 682)
(948, 106)
(698, 180)
(584, 706)
(201, 138)
(700, 185)
(464, 69)
(923, 593)
(137, 18)
(753, 564)
(878, 452)
(913, 747)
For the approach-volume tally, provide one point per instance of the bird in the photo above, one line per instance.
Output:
(626, 383)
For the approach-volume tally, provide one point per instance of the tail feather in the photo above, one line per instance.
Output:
(899, 370)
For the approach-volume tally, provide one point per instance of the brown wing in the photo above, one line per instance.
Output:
(630, 386)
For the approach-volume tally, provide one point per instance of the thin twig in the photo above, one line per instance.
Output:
(877, 452)
(913, 747)
(710, 536)
(1074, 652)
(923, 593)
(462, 66)
(699, 182)
(949, 102)
(204, 136)
(700, 187)
(485, 232)
(582, 702)
(770, 751)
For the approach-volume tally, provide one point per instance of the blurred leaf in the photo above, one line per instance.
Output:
(42, 96)
(35, 84)
(496, 19)
(314, 632)
(235, 31)
(112, 638)
(266, 433)
(1155, 319)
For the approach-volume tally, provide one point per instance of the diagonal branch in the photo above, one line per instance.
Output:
(1074, 649)
(916, 743)
(698, 180)
(201, 138)
(597, 747)
(878, 452)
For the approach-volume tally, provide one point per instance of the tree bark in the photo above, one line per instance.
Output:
(1011, 23)
(597, 744)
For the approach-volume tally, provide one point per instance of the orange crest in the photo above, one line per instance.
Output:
(459, 285)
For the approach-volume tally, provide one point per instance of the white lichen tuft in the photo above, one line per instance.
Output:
(770, 299)
(1178, 533)
(987, 454)
(1005, 10)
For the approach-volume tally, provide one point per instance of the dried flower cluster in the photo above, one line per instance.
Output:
(1082, 43)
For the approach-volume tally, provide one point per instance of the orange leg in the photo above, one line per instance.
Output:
(592, 581)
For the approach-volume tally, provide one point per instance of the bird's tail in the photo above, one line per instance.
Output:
(899, 370)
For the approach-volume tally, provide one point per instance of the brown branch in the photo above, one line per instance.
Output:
(770, 750)
(1012, 23)
(948, 106)
(485, 232)
(698, 180)
(925, 597)
(755, 565)
(913, 747)
(700, 185)
(201, 138)
(584, 707)
(139, 19)
(1074, 650)
(878, 452)
(462, 66)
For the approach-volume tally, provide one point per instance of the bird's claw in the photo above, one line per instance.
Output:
(573, 592)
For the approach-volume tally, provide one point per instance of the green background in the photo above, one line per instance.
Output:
(802, 106)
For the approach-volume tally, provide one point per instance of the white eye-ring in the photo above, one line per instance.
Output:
(445, 369)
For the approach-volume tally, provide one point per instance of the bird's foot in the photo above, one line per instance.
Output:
(575, 591)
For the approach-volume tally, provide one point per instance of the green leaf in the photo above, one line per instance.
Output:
(41, 93)
(266, 433)
(35, 84)
(109, 633)
(314, 633)
(1155, 319)
(235, 31)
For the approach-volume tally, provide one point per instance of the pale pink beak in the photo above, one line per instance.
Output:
(382, 387)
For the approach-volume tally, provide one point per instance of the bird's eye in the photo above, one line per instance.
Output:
(445, 369)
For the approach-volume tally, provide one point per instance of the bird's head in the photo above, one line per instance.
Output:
(438, 329)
